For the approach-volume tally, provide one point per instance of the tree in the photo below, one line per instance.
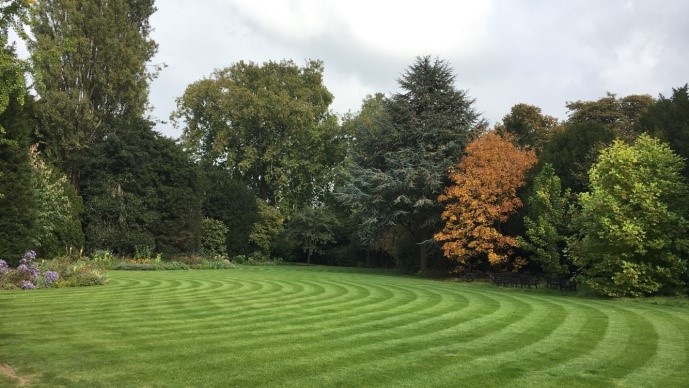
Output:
(56, 219)
(259, 121)
(528, 126)
(311, 229)
(483, 194)
(618, 114)
(547, 223)
(404, 147)
(668, 119)
(17, 197)
(572, 150)
(632, 227)
(141, 189)
(232, 203)
(270, 224)
(214, 238)
(90, 67)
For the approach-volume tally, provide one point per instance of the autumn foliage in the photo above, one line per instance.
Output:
(483, 194)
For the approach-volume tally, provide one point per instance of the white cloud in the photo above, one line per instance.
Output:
(399, 28)
(537, 51)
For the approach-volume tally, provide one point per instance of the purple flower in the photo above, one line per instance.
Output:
(27, 285)
(34, 271)
(29, 255)
(51, 277)
(23, 268)
(4, 268)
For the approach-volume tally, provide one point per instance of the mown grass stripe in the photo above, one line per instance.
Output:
(291, 326)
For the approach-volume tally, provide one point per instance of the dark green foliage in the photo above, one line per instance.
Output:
(528, 126)
(669, 120)
(141, 189)
(403, 150)
(573, 149)
(213, 240)
(234, 204)
(17, 199)
(311, 229)
(68, 235)
(547, 223)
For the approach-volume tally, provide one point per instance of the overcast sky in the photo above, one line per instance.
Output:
(540, 52)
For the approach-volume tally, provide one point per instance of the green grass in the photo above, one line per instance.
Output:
(317, 326)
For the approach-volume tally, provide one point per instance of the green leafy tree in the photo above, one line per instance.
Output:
(617, 114)
(403, 149)
(632, 228)
(572, 150)
(12, 83)
(311, 229)
(668, 119)
(18, 198)
(270, 224)
(271, 127)
(528, 126)
(232, 203)
(91, 70)
(56, 218)
(547, 223)
(213, 241)
(141, 189)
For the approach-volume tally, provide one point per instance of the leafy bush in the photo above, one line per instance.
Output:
(129, 266)
(214, 264)
(213, 240)
(256, 258)
(76, 273)
(189, 260)
(143, 251)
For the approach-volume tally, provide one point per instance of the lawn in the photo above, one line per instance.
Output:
(320, 326)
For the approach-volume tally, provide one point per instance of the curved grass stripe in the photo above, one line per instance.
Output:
(318, 326)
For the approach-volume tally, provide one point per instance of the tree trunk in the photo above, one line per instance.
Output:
(423, 258)
(308, 259)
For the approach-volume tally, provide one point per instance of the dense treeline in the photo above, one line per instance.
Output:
(416, 179)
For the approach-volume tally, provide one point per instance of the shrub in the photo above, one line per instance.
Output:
(215, 264)
(59, 272)
(213, 241)
(75, 272)
(189, 260)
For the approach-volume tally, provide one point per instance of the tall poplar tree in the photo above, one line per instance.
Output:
(90, 62)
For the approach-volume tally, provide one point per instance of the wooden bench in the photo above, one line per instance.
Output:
(561, 283)
(470, 276)
(516, 279)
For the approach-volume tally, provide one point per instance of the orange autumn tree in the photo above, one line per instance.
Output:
(483, 195)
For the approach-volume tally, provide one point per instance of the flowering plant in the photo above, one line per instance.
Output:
(27, 275)
(4, 268)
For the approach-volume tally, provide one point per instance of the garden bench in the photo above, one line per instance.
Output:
(470, 276)
(515, 279)
(528, 280)
(562, 283)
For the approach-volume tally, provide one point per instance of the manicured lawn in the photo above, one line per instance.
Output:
(317, 326)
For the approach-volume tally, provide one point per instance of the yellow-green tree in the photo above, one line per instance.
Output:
(633, 227)
(482, 196)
